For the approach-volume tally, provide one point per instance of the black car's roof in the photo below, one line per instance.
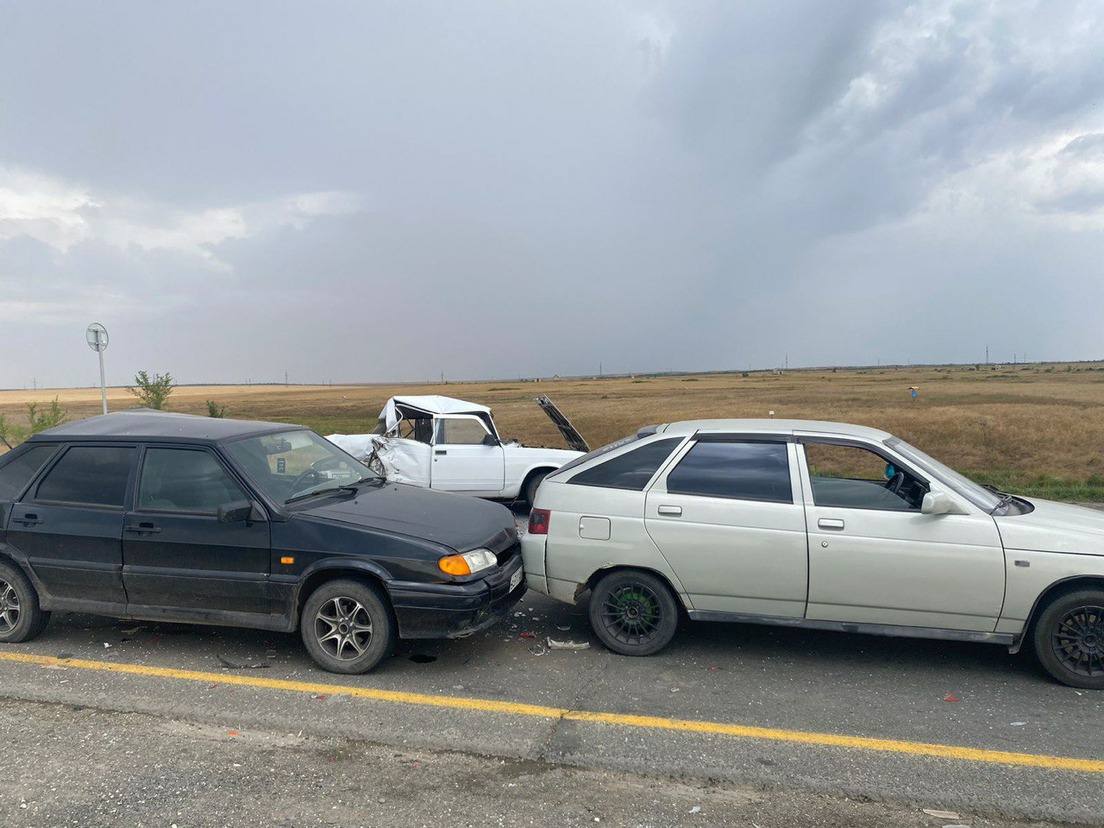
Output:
(149, 424)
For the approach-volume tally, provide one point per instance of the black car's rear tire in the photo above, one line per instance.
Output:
(532, 484)
(21, 618)
(1069, 639)
(347, 626)
(633, 613)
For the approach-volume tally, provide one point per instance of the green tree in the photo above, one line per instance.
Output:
(11, 435)
(153, 391)
(49, 417)
(215, 410)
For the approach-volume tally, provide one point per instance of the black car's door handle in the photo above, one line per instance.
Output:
(143, 528)
(27, 520)
(440, 451)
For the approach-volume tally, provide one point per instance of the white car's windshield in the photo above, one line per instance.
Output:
(290, 465)
(978, 495)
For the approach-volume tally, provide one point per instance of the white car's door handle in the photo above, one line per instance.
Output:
(830, 523)
(670, 511)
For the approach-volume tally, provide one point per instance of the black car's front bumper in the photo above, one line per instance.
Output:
(455, 610)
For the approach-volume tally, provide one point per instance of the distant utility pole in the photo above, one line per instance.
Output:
(599, 369)
(787, 362)
(986, 354)
(285, 376)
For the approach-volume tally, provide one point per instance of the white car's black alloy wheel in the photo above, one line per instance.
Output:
(1078, 641)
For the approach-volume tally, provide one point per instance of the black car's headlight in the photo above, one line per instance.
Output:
(468, 563)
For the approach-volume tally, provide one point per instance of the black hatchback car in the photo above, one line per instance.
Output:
(172, 517)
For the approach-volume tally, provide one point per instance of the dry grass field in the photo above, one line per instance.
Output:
(1031, 428)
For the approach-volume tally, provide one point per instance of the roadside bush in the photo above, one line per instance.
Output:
(152, 392)
(215, 410)
(38, 420)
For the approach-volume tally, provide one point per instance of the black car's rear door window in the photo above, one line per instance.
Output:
(185, 480)
(17, 472)
(89, 475)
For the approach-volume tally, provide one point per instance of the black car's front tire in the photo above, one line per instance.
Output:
(347, 626)
(633, 613)
(1069, 639)
(21, 618)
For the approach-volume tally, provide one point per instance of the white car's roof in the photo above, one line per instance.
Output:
(436, 404)
(776, 427)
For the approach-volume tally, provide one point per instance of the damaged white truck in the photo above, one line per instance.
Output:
(448, 444)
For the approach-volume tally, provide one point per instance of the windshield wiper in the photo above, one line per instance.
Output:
(305, 495)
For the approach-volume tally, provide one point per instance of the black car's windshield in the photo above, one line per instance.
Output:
(291, 465)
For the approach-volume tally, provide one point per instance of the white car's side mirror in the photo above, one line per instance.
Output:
(939, 503)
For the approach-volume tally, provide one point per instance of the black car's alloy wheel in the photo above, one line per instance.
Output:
(1069, 639)
(633, 613)
(20, 617)
(9, 607)
(343, 627)
(347, 626)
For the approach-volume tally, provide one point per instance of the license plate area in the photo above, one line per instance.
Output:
(516, 578)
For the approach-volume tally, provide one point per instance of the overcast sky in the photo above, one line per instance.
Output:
(385, 191)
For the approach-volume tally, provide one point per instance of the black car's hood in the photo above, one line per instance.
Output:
(456, 521)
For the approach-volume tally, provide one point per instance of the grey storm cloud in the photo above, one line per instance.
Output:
(363, 191)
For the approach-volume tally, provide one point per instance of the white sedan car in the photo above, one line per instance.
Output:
(819, 525)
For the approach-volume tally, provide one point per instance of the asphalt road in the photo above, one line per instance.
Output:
(970, 696)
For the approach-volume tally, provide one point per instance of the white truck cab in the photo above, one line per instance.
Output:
(453, 445)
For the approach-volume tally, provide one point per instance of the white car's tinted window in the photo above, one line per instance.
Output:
(745, 471)
(631, 470)
(17, 472)
(186, 480)
(851, 477)
(89, 475)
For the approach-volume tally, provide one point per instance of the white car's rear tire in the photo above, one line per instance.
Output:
(633, 612)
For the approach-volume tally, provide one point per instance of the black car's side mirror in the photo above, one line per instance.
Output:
(236, 512)
(490, 440)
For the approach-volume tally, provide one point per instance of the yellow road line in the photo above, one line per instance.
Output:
(938, 751)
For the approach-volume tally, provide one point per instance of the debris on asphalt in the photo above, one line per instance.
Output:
(527, 634)
(230, 664)
(130, 631)
(696, 809)
(563, 629)
(933, 812)
(1017, 724)
(553, 644)
(951, 697)
(107, 646)
(537, 649)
